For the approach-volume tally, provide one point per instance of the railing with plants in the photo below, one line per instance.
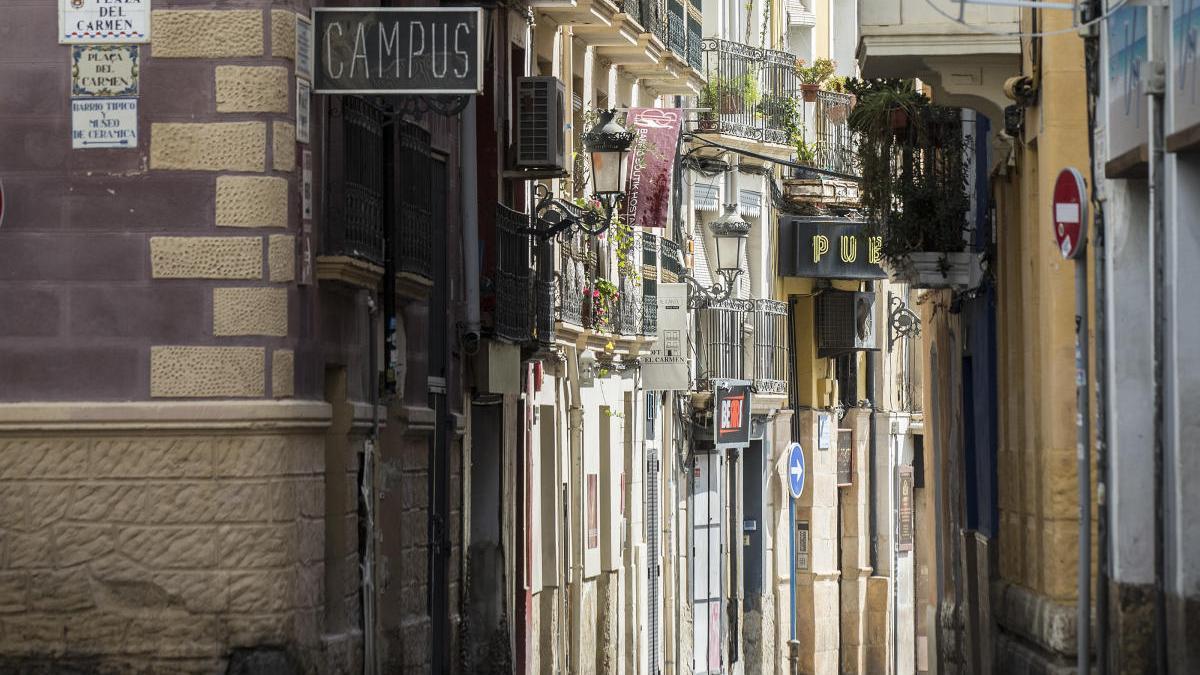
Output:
(835, 145)
(751, 92)
(914, 158)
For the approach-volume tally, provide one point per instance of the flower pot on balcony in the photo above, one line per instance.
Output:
(810, 92)
(932, 269)
(838, 112)
(898, 118)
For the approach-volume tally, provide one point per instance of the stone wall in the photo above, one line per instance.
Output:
(166, 549)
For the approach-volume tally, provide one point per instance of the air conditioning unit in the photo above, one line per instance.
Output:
(541, 124)
(845, 322)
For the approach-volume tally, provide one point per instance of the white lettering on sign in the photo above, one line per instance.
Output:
(1066, 213)
(104, 71)
(96, 21)
(104, 123)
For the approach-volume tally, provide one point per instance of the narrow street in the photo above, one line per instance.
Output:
(599, 337)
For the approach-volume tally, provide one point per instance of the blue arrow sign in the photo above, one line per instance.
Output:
(796, 470)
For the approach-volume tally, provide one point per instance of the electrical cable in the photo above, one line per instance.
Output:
(1036, 34)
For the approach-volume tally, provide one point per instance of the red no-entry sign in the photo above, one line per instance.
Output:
(1070, 212)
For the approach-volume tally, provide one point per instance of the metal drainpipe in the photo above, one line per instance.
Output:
(469, 203)
(1092, 53)
(366, 488)
(1156, 38)
(872, 451)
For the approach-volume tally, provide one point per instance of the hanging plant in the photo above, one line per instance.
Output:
(914, 180)
(604, 305)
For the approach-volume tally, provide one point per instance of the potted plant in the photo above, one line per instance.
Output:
(603, 305)
(812, 77)
(779, 109)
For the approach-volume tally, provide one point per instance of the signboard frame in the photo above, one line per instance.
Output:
(847, 250)
(305, 51)
(732, 392)
(666, 367)
(480, 44)
(304, 94)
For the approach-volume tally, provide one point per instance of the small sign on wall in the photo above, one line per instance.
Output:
(904, 510)
(304, 47)
(822, 431)
(306, 185)
(104, 123)
(845, 457)
(103, 21)
(303, 108)
(104, 71)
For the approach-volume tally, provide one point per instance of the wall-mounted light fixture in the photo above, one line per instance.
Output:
(730, 232)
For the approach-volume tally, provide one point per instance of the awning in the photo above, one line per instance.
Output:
(705, 197)
(750, 203)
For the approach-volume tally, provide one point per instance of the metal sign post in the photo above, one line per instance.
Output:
(1070, 232)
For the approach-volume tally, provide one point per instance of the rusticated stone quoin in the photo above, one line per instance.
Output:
(283, 146)
(206, 257)
(218, 146)
(207, 371)
(250, 311)
(206, 34)
(252, 89)
(252, 201)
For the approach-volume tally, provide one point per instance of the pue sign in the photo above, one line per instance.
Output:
(403, 50)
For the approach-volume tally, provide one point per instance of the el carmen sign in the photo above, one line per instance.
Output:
(402, 50)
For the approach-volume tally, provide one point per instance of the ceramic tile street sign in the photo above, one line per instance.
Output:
(104, 123)
(400, 50)
(103, 21)
(104, 71)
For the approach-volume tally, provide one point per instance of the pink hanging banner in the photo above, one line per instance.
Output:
(651, 161)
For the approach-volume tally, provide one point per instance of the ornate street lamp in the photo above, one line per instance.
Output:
(730, 233)
(607, 143)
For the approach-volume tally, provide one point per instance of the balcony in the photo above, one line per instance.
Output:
(966, 63)
(744, 340)
(586, 305)
(752, 92)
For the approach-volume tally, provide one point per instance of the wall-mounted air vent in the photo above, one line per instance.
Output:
(845, 322)
(541, 123)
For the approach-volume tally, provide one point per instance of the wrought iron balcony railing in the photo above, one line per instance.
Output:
(513, 318)
(836, 149)
(355, 226)
(723, 341)
(770, 347)
(753, 92)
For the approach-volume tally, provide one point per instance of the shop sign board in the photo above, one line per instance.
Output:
(823, 431)
(845, 457)
(665, 368)
(103, 21)
(104, 71)
(398, 50)
(828, 248)
(1070, 212)
(732, 412)
(904, 510)
(104, 123)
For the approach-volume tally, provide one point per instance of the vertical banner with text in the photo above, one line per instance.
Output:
(651, 162)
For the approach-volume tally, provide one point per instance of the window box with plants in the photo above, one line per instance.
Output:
(914, 183)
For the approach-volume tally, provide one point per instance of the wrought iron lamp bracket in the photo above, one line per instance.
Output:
(553, 216)
(701, 296)
(902, 321)
(415, 105)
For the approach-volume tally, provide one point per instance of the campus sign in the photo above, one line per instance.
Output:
(402, 50)
(828, 248)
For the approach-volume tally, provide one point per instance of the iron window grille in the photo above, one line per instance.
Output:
(722, 343)
(512, 313)
(355, 169)
(770, 347)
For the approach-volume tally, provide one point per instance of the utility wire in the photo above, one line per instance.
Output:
(1036, 34)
